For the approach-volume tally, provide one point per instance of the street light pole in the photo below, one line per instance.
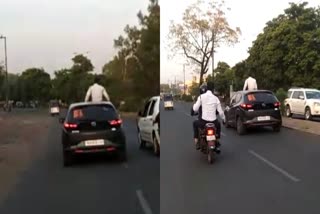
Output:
(184, 79)
(6, 65)
(212, 56)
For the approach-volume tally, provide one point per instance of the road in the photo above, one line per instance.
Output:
(262, 172)
(94, 185)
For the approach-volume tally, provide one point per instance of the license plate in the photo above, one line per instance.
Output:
(54, 110)
(211, 137)
(264, 118)
(94, 142)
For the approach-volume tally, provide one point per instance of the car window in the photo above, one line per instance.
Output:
(151, 110)
(289, 94)
(238, 98)
(93, 112)
(295, 95)
(256, 97)
(146, 108)
(168, 97)
(313, 94)
(233, 99)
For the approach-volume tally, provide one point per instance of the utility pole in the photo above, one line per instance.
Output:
(212, 55)
(184, 79)
(6, 65)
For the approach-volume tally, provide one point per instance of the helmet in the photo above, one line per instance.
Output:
(203, 89)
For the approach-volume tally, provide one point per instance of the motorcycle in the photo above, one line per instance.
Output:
(209, 144)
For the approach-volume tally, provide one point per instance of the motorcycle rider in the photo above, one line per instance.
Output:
(210, 105)
(96, 92)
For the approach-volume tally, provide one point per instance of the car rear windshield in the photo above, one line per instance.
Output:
(93, 113)
(313, 94)
(54, 103)
(260, 97)
(168, 98)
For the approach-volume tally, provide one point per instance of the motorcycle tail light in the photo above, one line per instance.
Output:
(210, 132)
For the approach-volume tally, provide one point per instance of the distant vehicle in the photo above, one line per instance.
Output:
(19, 104)
(149, 125)
(168, 101)
(253, 109)
(92, 128)
(54, 107)
(303, 101)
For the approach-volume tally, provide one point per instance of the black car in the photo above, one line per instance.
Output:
(253, 109)
(92, 128)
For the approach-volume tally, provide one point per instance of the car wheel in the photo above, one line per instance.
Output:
(226, 124)
(142, 143)
(307, 114)
(156, 146)
(68, 159)
(276, 128)
(288, 111)
(241, 129)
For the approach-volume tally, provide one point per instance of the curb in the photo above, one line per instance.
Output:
(301, 130)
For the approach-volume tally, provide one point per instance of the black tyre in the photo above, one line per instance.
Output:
(142, 143)
(122, 156)
(276, 128)
(156, 146)
(288, 111)
(307, 114)
(210, 156)
(241, 129)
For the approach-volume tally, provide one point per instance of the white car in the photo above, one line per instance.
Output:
(303, 101)
(54, 108)
(149, 125)
(168, 101)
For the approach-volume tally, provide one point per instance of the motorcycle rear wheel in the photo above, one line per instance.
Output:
(210, 156)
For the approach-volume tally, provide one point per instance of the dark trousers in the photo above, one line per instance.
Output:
(201, 124)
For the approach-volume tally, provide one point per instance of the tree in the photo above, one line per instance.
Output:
(81, 64)
(201, 32)
(36, 84)
(224, 78)
(287, 53)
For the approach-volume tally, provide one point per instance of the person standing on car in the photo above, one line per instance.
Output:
(210, 105)
(97, 92)
(250, 84)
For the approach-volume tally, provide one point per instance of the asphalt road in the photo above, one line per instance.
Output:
(262, 172)
(94, 185)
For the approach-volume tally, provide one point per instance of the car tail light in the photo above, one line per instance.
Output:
(70, 125)
(210, 132)
(115, 122)
(277, 104)
(246, 106)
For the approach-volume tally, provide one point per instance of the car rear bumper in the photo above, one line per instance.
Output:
(255, 123)
(108, 147)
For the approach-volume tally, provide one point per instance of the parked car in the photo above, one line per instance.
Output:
(253, 109)
(149, 125)
(168, 101)
(54, 107)
(92, 128)
(303, 101)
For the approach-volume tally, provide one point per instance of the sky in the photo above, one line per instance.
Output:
(250, 15)
(48, 33)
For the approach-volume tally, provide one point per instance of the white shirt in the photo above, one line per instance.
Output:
(96, 92)
(210, 104)
(251, 83)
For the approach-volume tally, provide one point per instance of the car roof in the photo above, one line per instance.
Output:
(250, 91)
(303, 89)
(79, 104)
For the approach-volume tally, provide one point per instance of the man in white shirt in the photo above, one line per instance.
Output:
(210, 105)
(250, 84)
(96, 92)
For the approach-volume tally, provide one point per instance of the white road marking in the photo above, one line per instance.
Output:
(143, 202)
(282, 171)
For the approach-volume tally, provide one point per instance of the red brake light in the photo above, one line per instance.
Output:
(115, 122)
(70, 125)
(277, 104)
(246, 106)
(210, 132)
